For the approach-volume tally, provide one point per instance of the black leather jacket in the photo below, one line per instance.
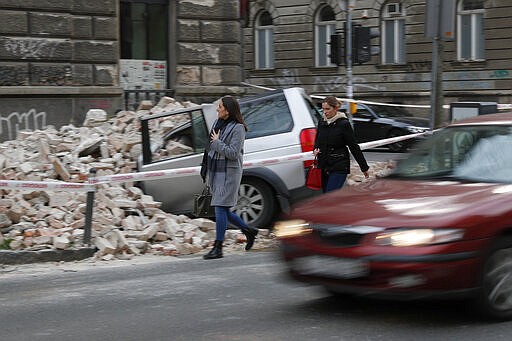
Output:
(334, 141)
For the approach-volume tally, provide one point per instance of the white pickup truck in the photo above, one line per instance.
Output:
(280, 123)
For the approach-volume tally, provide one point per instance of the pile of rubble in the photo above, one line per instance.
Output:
(126, 222)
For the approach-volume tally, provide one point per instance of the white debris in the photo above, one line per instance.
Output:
(125, 222)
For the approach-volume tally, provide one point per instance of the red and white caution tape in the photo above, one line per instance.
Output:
(383, 142)
(47, 185)
(171, 173)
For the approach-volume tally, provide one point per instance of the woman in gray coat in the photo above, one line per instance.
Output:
(224, 171)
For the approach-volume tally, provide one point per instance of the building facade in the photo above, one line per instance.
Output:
(60, 58)
(286, 44)
(57, 60)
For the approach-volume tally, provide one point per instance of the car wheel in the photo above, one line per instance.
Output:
(400, 146)
(495, 297)
(256, 204)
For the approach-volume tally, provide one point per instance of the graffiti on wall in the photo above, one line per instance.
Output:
(15, 122)
(339, 83)
(329, 84)
(26, 49)
(500, 74)
(289, 78)
(335, 84)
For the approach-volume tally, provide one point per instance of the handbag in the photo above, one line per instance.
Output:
(202, 204)
(314, 177)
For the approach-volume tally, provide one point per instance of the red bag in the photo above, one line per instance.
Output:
(314, 178)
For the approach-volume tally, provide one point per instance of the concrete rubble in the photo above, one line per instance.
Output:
(126, 222)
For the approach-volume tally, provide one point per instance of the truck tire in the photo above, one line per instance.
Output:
(256, 203)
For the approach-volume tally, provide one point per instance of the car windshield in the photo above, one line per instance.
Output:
(389, 111)
(476, 153)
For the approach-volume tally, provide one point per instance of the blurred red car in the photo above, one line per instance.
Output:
(439, 226)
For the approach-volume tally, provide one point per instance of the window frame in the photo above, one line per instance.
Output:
(477, 53)
(263, 34)
(398, 45)
(330, 28)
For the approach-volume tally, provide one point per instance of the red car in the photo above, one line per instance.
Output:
(439, 226)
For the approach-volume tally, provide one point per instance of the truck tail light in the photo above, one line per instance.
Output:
(307, 143)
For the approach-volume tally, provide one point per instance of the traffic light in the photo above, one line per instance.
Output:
(335, 53)
(363, 50)
(361, 43)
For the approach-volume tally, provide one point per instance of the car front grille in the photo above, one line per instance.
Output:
(342, 235)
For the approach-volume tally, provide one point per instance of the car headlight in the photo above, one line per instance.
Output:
(418, 237)
(416, 130)
(291, 228)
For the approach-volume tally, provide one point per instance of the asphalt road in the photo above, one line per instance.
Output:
(243, 296)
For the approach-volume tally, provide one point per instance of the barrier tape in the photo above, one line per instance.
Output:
(171, 173)
(383, 142)
(90, 186)
(47, 185)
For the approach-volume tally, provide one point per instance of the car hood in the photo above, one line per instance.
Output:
(414, 121)
(404, 203)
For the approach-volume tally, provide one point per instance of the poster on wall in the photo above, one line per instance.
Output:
(138, 74)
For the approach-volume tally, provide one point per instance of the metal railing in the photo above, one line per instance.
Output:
(132, 98)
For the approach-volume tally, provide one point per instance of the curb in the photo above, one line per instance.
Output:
(26, 257)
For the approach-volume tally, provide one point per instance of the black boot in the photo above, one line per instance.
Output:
(250, 233)
(216, 252)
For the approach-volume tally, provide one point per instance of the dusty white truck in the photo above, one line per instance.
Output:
(280, 123)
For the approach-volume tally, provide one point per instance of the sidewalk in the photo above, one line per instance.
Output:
(50, 255)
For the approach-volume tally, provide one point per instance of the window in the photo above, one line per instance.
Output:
(144, 46)
(144, 29)
(264, 41)
(325, 25)
(393, 34)
(267, 116)
(470, 27)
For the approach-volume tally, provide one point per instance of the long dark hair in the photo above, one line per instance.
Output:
(233, 108)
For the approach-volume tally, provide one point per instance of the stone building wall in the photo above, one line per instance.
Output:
(58, 59)
(208, 50)
(409, 83)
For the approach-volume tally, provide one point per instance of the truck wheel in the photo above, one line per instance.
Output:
(256, 204)
(495, 296)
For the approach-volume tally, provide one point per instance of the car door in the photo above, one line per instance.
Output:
(366, 126)
(176, 193)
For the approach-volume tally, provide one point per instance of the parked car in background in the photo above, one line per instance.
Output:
(280, 123)
(439, 226)
(375, 122)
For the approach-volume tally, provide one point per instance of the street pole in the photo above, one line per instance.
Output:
(439, 25)
(434, 83)
(436, 96)
(348, 53)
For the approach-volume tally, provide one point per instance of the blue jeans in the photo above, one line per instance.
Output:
(222, 216)
(334, 181)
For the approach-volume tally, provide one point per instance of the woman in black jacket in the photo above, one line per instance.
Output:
(334, 135)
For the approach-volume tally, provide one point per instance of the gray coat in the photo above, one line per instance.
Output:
(231, 147)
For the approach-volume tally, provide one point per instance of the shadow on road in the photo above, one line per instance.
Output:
(411, 313)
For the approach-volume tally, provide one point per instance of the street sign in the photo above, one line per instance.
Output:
(440, 19)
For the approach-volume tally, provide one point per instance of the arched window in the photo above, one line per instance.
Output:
(393, 33)
(470, 27)
(325, 25)
(264, 41)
